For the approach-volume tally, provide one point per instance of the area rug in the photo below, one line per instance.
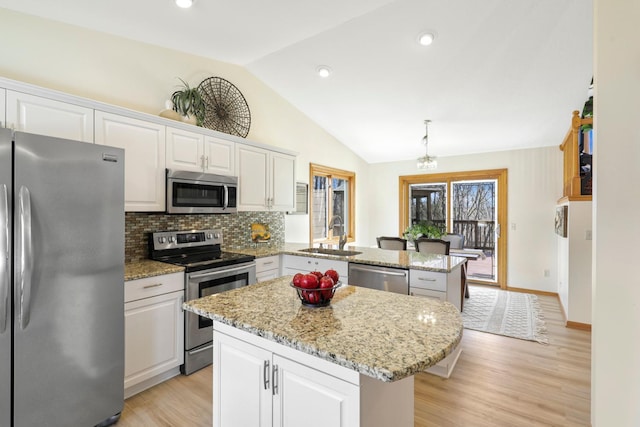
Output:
(512, 314)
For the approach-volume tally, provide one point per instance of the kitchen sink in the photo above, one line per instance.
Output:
(326, 251)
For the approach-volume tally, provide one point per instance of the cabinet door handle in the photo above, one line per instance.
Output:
(155, 285)
(267, 263)
(274, 379)
(206, 162)
(426, 279)
(265, 373)
(202, 162)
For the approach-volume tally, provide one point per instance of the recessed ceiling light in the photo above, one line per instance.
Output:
(185, 4)
(425, 39)
(324, 71)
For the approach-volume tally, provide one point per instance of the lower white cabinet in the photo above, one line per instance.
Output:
(154, 331)
(292, 264)
(267, 268)
(440, 286)
(254, 386)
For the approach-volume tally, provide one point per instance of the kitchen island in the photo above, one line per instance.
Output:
(352, 363)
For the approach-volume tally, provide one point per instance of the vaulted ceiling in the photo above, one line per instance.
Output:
(500, 74)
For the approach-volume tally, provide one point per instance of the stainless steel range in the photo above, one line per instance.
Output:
(209, 271)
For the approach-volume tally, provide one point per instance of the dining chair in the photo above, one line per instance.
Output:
(395, 243)
(457, 240)
(432, 246)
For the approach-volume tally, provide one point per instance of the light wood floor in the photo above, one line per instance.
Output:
(498, 381)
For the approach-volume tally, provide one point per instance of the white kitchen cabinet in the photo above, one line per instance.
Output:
(3, 111)
(255, 386)
(35, 114)
(292, 264)
(266, 179)
(144, 171)
(433, 284)
(267, 268)
(154, 331)
(196, 152)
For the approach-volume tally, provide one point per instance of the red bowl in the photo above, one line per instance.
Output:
(316, 297)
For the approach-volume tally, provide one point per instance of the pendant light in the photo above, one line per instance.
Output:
(427, 161)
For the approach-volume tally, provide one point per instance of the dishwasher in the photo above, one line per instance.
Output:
(381, 278)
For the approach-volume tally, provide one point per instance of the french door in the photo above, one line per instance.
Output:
(473, 204)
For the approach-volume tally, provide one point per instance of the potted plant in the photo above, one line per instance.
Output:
(422, 229)
(189, 103)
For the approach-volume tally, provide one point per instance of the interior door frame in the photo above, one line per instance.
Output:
(500, 175)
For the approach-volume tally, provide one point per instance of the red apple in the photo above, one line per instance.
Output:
(326, 283)
(333, 274)
(296, 279)
(309, 281)
(313, 297)
(317, 274)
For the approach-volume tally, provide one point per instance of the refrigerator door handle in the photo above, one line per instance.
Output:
(25, 258)
(4, 257)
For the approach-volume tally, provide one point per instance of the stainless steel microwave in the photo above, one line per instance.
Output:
(201, 193)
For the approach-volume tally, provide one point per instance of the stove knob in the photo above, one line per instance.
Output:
(171, 239)
(209, 236)
(162, 239)
(216, 235)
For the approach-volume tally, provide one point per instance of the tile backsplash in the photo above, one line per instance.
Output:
(236, 229)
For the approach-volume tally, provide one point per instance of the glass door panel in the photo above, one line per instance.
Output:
(428, 203)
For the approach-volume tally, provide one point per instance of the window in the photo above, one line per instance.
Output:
(332, 210)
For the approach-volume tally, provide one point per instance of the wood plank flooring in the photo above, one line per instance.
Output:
(498, 381)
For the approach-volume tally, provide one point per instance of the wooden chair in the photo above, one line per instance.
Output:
(457, 240)
(432, 246)
(395, 243)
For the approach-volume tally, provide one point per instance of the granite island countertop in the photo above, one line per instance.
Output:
(371, 256)
(384, 335)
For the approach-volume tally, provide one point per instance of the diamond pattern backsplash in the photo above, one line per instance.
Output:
(236, 229)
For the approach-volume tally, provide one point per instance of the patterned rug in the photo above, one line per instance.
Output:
(512, 314)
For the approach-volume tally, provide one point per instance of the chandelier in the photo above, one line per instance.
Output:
(427, 161)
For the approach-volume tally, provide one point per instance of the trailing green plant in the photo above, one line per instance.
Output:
(188, 102)
(422, 229)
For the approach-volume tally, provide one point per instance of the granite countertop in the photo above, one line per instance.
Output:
(148, 268)
(384, 335)
(372, 256)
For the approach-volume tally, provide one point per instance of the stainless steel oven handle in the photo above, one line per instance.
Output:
(373, 270)
(4, 257)
(217, 272)
(200, 350)
(25, 258)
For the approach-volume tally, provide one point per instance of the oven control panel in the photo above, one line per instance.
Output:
(164, 240)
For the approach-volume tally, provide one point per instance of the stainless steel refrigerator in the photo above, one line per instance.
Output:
(61, 282)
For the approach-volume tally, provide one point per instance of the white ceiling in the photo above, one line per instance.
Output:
(501, 74)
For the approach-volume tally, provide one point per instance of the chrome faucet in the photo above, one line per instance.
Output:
(343, 237)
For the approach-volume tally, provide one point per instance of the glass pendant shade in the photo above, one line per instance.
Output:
(427, 161)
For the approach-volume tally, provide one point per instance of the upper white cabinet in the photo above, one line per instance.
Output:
(144, 145)
(266, 179)
(3, 103)
(34, 114)
(196, 152)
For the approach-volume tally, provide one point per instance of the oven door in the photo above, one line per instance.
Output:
(198, 329)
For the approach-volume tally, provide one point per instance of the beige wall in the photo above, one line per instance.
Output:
(535, 185)
(615, 362)
(141, 77)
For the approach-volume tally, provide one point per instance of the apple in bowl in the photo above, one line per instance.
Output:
(316, 289)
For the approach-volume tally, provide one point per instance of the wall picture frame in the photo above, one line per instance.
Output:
(562, 215)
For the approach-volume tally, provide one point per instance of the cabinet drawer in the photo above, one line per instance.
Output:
(428, 280)
(426, 293)
(153, 286)
(267, 263)
(307, 264)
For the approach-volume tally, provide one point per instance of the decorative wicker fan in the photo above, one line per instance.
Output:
(226, 110)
